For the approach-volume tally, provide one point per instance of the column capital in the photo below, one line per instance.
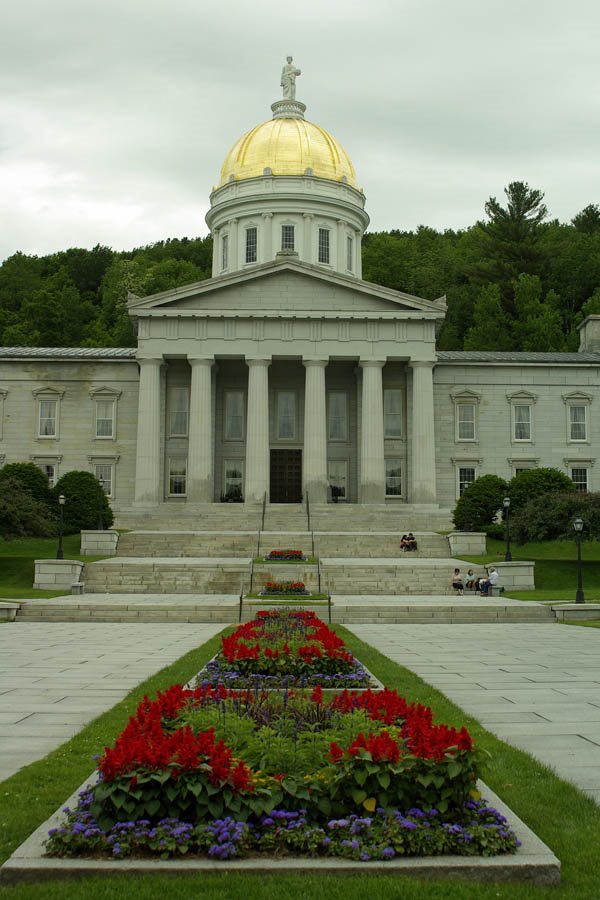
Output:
(258, 362)
(421, 363)
(201, 361)
(149, 361)
(372, 363)
(308, 362)
(267, 215)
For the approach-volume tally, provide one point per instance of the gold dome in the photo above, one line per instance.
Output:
(287, 146)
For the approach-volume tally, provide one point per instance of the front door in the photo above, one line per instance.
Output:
(286, 476)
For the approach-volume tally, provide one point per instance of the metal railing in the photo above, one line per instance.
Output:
(308, 511)
(318, 572)
(241, 600)
(328, 605)
(251, 574)
(264, 510)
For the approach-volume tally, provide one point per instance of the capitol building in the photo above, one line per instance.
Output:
(285, 375)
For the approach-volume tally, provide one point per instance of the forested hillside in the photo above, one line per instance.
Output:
(514, 281)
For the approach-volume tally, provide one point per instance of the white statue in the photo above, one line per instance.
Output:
(288, 79)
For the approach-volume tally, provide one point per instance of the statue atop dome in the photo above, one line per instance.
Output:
(289, 74)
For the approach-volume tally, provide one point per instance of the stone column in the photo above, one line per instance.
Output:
(200, 487)
(257, 431)
(266, 244)
(309, 250)
(423, 434)
(147, 461)
(314, 463)
(341, 245)
(234, 262)
(372, 468)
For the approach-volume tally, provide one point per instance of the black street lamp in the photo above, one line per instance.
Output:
(100, 504)
(506, 505)
(61, 507)
(578, 526)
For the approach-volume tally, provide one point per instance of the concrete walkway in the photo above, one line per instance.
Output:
(535, 686)
(55, 678)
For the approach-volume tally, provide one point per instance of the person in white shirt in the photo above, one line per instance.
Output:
(491, 581)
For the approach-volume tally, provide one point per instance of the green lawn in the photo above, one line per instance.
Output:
(17, 560)
(565, 819)
(555, 569)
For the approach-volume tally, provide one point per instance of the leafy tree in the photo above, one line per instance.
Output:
(491, 326)
(21, 515)
(550, 517)
(588, 220)
(532, 483)
(538, 324)
(480, 502)
(30, 479)
(82, 494)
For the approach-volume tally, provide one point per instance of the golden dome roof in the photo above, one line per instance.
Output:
(287, 146)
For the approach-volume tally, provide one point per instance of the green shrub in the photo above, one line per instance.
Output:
(480, 503)
(550, 517)
(82, 500)
(21, 515)
(30, 478)
(532, 483)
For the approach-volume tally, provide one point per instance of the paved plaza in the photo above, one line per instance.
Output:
(535, 686)
(57, 677)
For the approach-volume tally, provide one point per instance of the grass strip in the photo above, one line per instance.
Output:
(567, 820)
(17, 564)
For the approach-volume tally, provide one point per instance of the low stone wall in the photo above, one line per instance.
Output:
(56, 574)
(515, 576)
(8, 610)
(99, 543)
(576, 611)
(467, 543)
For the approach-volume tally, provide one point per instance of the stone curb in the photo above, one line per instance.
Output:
(533, 863)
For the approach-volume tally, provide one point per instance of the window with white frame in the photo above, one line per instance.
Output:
(337, 416)
(465, 421)
(251, 244)
(393, 478)
(177, 473)
(577, 422)
(350, 253)
(233, 479)
(337, 476)
(49, 470)
(48, 419)
(105, 474)
(392, 412)
(286, 415)
(105, 418)
(466, 476)
(287, 237)
(323, 245)
(579, 477)
(234, 416)
(224, 252)
(178, 411)
(521, 421)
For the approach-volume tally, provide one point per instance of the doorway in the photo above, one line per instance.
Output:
(286, 476)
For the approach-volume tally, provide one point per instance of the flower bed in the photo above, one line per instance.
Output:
(284, 648)
(286, 555)
(227, 773)
(284, 587)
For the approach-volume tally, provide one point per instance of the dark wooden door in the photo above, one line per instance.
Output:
(286, 476)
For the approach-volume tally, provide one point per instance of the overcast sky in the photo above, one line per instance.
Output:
(115, 116)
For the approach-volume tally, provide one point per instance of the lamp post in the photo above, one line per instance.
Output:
(61, 507)
(578, 526)
(506, 505)
(100, 504)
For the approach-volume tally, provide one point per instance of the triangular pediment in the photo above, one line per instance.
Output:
(287, 289)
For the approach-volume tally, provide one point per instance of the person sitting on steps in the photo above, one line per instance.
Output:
(404, 542)
(471, 580)
(456, 582)
(486, 584)
(412, 541)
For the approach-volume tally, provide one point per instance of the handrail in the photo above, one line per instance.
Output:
(241, 600)
(264, 509)
(308, 511)
(318, 572)
(328, 605)
(312, 539)
(258, 543)
(251, 574)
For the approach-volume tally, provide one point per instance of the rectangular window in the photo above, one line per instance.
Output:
(234, 416)
(178, 412)
(224, 252)
(251, 245)
(349, 254)
(49, 470)
(579, 477)
(233, 479)
(577, 423)
(338, 416)
(466, 421)
(177, 477)
(466, 476)
(287, 237)
(324, 245)
(522, 423)
(47, 423)
(393, 478)
(337, 476)
(105, 418)
(286, 416)
(104, 474)
(392, 412)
